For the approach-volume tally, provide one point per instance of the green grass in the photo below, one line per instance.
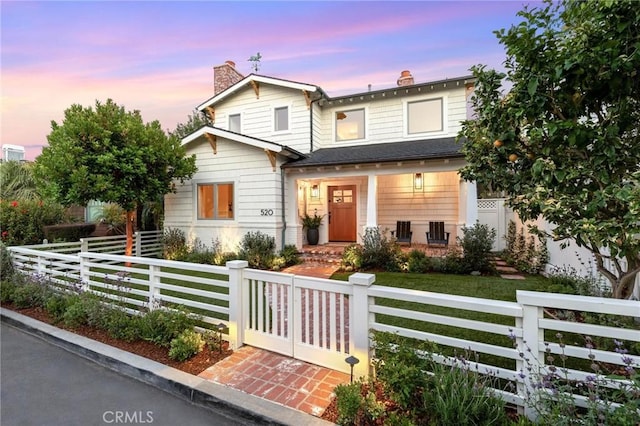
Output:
(485, 287)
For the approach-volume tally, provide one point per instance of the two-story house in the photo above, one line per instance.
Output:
(279, 148)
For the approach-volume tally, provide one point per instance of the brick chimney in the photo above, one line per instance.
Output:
(224, 76)
(406, 79)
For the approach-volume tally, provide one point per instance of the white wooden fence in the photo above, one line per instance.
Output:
(323, 321)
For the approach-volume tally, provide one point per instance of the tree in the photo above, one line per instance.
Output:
(195, 121)
(563, 142)
(17, 182)
(109, 154)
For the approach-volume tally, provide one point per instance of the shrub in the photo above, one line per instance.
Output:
(69, 231)
(418, 262)
(258, 249)
(477, 242)
(526, 255)
(120, 325)
(352, 257)
(30, 292)
(56, 305)
(75, 313)
(22, 222)
(7, 287)
(567, 280)
(160, 326)
(174, 244)
(6, 263)
(290, 255)
(380, 252)
(115, 217)
(185, 345)
(451, 263)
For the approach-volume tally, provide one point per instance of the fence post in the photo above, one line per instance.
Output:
(237, 307)
(531, 361)
(359, 319)
(138, 239)
(84, 245)
(154, 290)
(84, 273)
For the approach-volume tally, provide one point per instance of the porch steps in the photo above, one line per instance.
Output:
(506, 271)
(321, 256)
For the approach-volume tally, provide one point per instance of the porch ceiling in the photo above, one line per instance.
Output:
(425, 149)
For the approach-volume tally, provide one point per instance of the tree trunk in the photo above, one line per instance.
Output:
(130, 218)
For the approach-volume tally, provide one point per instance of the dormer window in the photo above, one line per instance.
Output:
(425, 116)
(234, 123)
(281, 119)
(350, 125)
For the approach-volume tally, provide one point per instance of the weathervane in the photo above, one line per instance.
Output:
(255, 62)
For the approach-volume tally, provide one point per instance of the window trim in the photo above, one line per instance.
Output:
(365, 126)
(273, 118)
(405, 117)
(215, 185)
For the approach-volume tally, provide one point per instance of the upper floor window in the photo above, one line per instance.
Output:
(234, 123)
(425, 116)
(350, 125)
(281, 119)
(215, 201)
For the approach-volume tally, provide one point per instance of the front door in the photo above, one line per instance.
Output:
(342, 213)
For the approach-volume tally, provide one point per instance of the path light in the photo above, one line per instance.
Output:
(220, 327)
(351, 360)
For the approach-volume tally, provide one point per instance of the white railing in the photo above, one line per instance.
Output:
(323, 321)
(145, 244)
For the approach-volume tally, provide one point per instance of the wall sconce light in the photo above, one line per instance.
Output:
(417, 181)
(315, 191)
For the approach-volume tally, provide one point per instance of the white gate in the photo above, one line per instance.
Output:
(302, 317)
(494, 213)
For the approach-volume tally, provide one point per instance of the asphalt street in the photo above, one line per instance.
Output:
(43, 384)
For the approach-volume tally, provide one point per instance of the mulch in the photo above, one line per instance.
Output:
(195, 365)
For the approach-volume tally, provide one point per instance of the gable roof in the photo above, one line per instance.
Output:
(247, 140)
(255, 78)
(423, 149)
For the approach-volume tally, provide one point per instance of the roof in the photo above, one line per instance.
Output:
(255, 78)
(382, 153)
(425, 87)
(248, 140)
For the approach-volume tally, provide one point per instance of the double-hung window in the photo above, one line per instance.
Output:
(425, 116)
(234, 123)
(215, 201)
(350, 125)
(281, 119)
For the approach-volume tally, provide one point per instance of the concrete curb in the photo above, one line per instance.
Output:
(210, 395)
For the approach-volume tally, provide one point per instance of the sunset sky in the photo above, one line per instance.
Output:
(157, 57)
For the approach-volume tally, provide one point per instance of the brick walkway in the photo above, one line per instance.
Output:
(287, 381)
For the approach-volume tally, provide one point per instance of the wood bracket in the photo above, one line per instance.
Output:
(211, 113)
(307, 98)
(272, 158)
(213, 142)
(256, 88)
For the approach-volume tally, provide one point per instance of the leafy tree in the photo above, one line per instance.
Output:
(195, 121)
(109, 154)
(17, 181)
(563, 142)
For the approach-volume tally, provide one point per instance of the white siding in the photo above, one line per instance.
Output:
(397, 200)
(256, 188)
(257, 115)
(385, 119)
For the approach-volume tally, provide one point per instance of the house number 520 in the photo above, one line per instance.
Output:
(266, 212)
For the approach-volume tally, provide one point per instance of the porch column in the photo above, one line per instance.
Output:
(468, 205)
(293, 233)
(372, 205)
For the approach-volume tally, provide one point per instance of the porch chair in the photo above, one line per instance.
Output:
(403, 232)
(436, 234)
